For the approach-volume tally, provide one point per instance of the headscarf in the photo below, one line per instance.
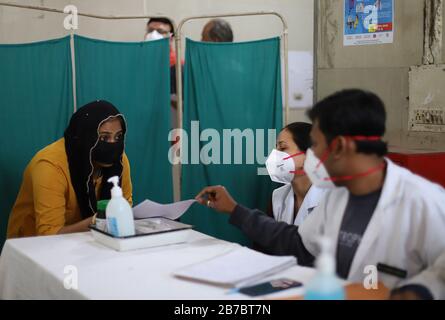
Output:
(81, 137)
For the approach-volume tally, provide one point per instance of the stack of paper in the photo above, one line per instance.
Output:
(236, 268)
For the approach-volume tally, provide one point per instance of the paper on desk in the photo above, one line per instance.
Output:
(239, 267)
(149, 209)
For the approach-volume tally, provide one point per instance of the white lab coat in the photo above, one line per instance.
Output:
(406, 231)
(283, 204)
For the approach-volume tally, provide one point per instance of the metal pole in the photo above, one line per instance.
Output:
(239, 14)
(286, 78)
(179, 104)
(73, 70)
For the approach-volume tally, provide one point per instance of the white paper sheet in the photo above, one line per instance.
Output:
(148, 209)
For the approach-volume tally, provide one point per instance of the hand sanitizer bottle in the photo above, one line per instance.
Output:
(120, 221)
(325, 285)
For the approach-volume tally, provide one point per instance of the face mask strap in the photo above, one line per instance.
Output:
(360, 175)
(325, 155)
(364, 138)
(351, 177)
(355, 138)
(294, 155)
(296, 172)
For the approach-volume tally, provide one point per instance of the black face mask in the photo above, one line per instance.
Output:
(108, 153)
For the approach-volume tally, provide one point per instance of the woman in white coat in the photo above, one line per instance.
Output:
(293, 202)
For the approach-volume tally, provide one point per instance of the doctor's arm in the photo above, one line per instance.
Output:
(427, 285)
(278, 237)
(427, 229)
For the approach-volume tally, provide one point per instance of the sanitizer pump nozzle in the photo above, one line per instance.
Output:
(116, 191)
(325, 263)
(325, 285)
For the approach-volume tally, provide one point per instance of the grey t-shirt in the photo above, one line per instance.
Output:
(358, 213)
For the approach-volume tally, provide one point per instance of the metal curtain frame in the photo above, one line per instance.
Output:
(178, 39)
(89, 15)
(73, 62)
(178, 45)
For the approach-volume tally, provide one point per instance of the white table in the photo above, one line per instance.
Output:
(33, 268)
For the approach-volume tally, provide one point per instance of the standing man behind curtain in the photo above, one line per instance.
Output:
(159, 28)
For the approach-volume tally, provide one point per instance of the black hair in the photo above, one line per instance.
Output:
(352, 112)
(220, 31)
(163, 20)
(300, 134)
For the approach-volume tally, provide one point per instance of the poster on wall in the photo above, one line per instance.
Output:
(368, 22)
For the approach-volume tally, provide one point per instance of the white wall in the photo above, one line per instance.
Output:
(380, 68)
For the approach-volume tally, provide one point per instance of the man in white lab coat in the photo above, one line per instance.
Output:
(380, 216)
(377, 213)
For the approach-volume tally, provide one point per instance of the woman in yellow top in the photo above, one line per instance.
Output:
(63, 182)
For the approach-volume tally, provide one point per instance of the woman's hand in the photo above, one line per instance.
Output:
(218, 198)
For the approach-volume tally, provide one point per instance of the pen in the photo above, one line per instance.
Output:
(233, 290)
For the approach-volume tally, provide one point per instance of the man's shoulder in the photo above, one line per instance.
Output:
(413, 180)
(412, 186)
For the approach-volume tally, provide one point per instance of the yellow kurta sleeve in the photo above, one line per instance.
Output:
(49, 188)
(127, 188)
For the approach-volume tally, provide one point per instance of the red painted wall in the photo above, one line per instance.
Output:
(428, 165)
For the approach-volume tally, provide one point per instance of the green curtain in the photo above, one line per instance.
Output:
(36, 103)
(229, 86)
(135, 77)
